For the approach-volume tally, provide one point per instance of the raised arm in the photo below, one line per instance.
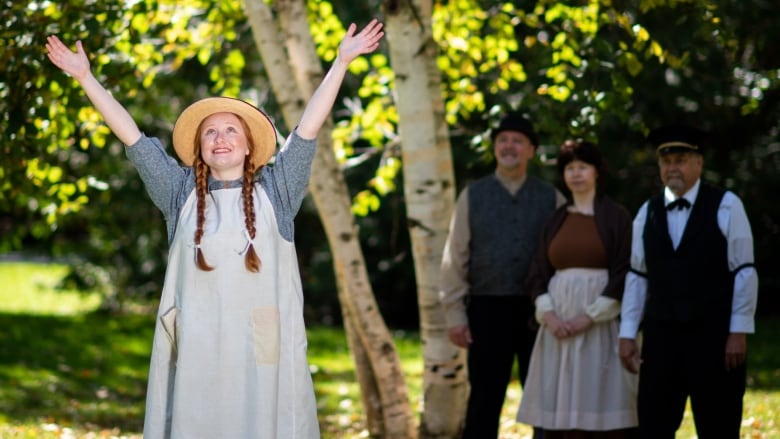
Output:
(76, 64)
(322, 100)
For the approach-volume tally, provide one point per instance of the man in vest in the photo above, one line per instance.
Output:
(493, 235)
(694, 288)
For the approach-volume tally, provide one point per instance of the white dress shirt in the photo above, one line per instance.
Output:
(734, 224)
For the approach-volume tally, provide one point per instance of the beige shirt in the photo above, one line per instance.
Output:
(453, 277)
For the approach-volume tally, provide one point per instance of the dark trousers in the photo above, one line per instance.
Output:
(501, 329)
(688, 359)
(624, 433)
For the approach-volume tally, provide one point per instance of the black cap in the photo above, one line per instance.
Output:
(677, 138)
(516, 122)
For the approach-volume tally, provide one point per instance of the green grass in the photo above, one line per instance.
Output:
(33, 289)
(67, 370)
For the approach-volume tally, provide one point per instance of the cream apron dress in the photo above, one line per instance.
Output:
(229, 351)
(578, 382)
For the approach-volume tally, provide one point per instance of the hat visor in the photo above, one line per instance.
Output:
(262, 129)
(676, 147)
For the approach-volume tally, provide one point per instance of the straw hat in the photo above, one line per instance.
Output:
(260, 125)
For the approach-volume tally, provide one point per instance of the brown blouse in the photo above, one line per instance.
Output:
(577, 244)
(613, 224)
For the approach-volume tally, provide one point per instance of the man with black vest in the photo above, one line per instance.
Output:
(493, 236)
(693, 288)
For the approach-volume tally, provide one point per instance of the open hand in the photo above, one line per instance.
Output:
(76, 64)
(364, 42)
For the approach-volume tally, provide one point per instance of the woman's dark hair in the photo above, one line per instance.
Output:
(580, 150)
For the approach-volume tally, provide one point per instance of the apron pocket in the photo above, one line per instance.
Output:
(265, 326)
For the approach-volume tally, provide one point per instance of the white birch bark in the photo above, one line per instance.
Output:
(430, 194)
(331, 196)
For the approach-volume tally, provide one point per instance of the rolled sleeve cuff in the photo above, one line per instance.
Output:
(628, 330)
(543, 304)
(603, 309)
(456, 315)
(742, 324)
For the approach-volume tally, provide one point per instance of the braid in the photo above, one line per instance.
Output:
(201, 190)
(252, 261)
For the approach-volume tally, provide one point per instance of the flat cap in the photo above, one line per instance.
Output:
(677, 138)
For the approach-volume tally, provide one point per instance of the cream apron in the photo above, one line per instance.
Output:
(578, 383)
(229, 352)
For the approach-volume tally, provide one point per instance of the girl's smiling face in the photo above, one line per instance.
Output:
(224, 145)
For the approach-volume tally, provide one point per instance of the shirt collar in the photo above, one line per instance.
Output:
(215, 184)
(669, 196)
(512, 186)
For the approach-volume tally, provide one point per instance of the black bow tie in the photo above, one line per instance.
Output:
(680, 203)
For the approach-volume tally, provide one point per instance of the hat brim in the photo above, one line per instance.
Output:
(676, 147)
(262, 129)
(532, 137)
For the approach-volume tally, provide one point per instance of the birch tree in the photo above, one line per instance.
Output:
(429, 194)
(383, 385)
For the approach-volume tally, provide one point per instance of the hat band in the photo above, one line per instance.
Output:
(678, 144)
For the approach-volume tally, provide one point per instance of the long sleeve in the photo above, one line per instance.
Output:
(603, 309)
(285, 182)
(542, 304)
(453, 282)
(635, 291)
(291, 171)
(162, 175)
(167, 183)
(735, 226)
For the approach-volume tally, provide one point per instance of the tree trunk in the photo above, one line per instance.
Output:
(429, 193)
(329, 190)
(369, 388)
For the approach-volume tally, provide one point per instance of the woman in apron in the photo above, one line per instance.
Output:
(576, 386)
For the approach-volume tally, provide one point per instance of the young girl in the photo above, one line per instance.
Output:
(229, 351)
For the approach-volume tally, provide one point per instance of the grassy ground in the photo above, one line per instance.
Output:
(69, 372)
